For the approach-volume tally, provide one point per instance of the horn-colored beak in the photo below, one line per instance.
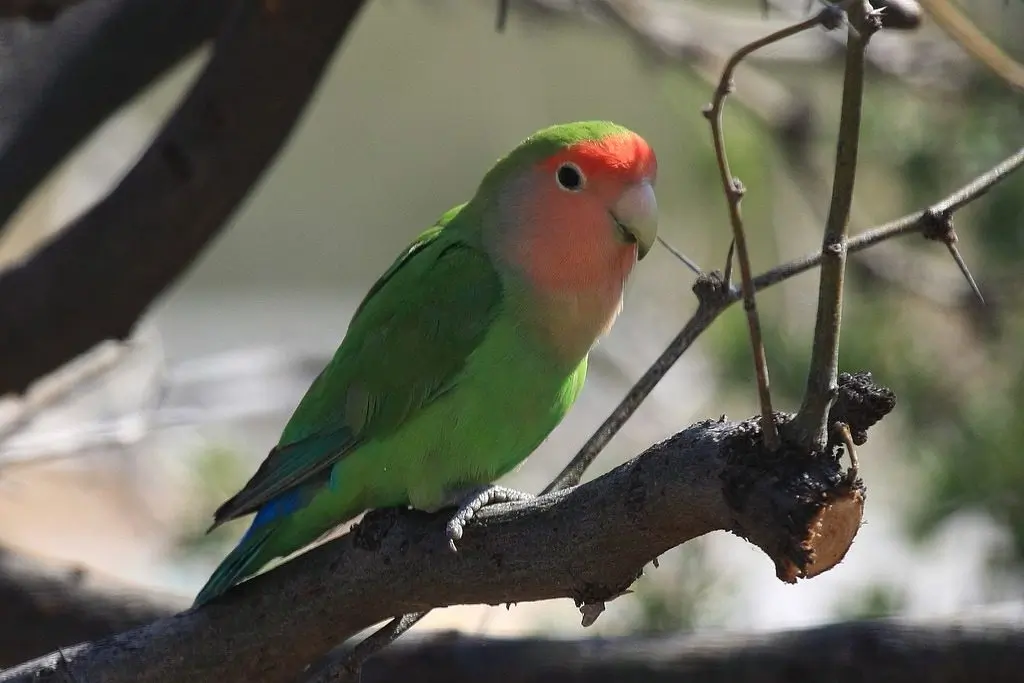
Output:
(636, 213)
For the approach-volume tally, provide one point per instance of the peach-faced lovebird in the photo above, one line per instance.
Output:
(467, 351)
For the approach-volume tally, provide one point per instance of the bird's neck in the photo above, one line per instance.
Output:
(567, 323)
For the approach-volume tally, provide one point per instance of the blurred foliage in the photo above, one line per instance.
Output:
(215, 470)
(873, 601)
(683, 593)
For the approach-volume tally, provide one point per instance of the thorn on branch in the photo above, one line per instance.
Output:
(729, 258)
(938, 226)
(899, 15)
(347, 666)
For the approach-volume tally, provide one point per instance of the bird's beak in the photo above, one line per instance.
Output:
(636, 213)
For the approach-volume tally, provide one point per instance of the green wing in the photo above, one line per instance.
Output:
(406, 346)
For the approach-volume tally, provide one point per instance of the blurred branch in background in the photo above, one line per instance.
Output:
(961, 29)
(63, 85)
(35, 10)
(883, 651)
(59, 606)
(182, 191)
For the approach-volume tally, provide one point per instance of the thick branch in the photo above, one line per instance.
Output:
(58, 86)
(45, 607)
(95, 279)
(879, 651)
(589, 543)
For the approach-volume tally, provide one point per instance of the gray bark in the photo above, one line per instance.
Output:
(589, 543)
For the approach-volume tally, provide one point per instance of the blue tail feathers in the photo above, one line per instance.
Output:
(248, 556)
(242, 562)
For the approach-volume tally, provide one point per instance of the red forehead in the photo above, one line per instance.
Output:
(627, 156)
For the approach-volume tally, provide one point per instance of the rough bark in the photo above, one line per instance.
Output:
(589, 543)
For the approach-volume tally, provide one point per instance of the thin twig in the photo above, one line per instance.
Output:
(683, 258)
(810, 423)
(62, 667)
(911, 223)
(734, 194)
(348, 668)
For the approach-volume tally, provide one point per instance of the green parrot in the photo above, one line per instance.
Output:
(465, 354)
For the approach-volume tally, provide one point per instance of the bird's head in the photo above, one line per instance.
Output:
(572, 205)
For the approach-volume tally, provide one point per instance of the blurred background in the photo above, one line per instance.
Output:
(117, 462)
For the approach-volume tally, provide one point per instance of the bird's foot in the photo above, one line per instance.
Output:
(470, 502)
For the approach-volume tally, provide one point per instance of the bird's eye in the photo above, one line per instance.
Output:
(569, 177)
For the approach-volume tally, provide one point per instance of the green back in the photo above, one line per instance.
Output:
(406, 345)
(409, 339)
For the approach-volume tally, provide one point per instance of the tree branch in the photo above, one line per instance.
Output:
(45, 607)
(589, 543)
(60, 86)
(734, 190)
(915, 222)
(95, 279)
(883, 651)
(811, 422)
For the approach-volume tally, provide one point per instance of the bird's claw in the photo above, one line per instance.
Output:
(472, 502)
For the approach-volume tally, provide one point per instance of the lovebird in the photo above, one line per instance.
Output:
(465, 354)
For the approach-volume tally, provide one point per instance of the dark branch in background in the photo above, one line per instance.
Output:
(589, 543)
(811, 424)
(59, 82)
(35, 10)
(961, 29)
(44, 608)
(878, 651)
(94, 280)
